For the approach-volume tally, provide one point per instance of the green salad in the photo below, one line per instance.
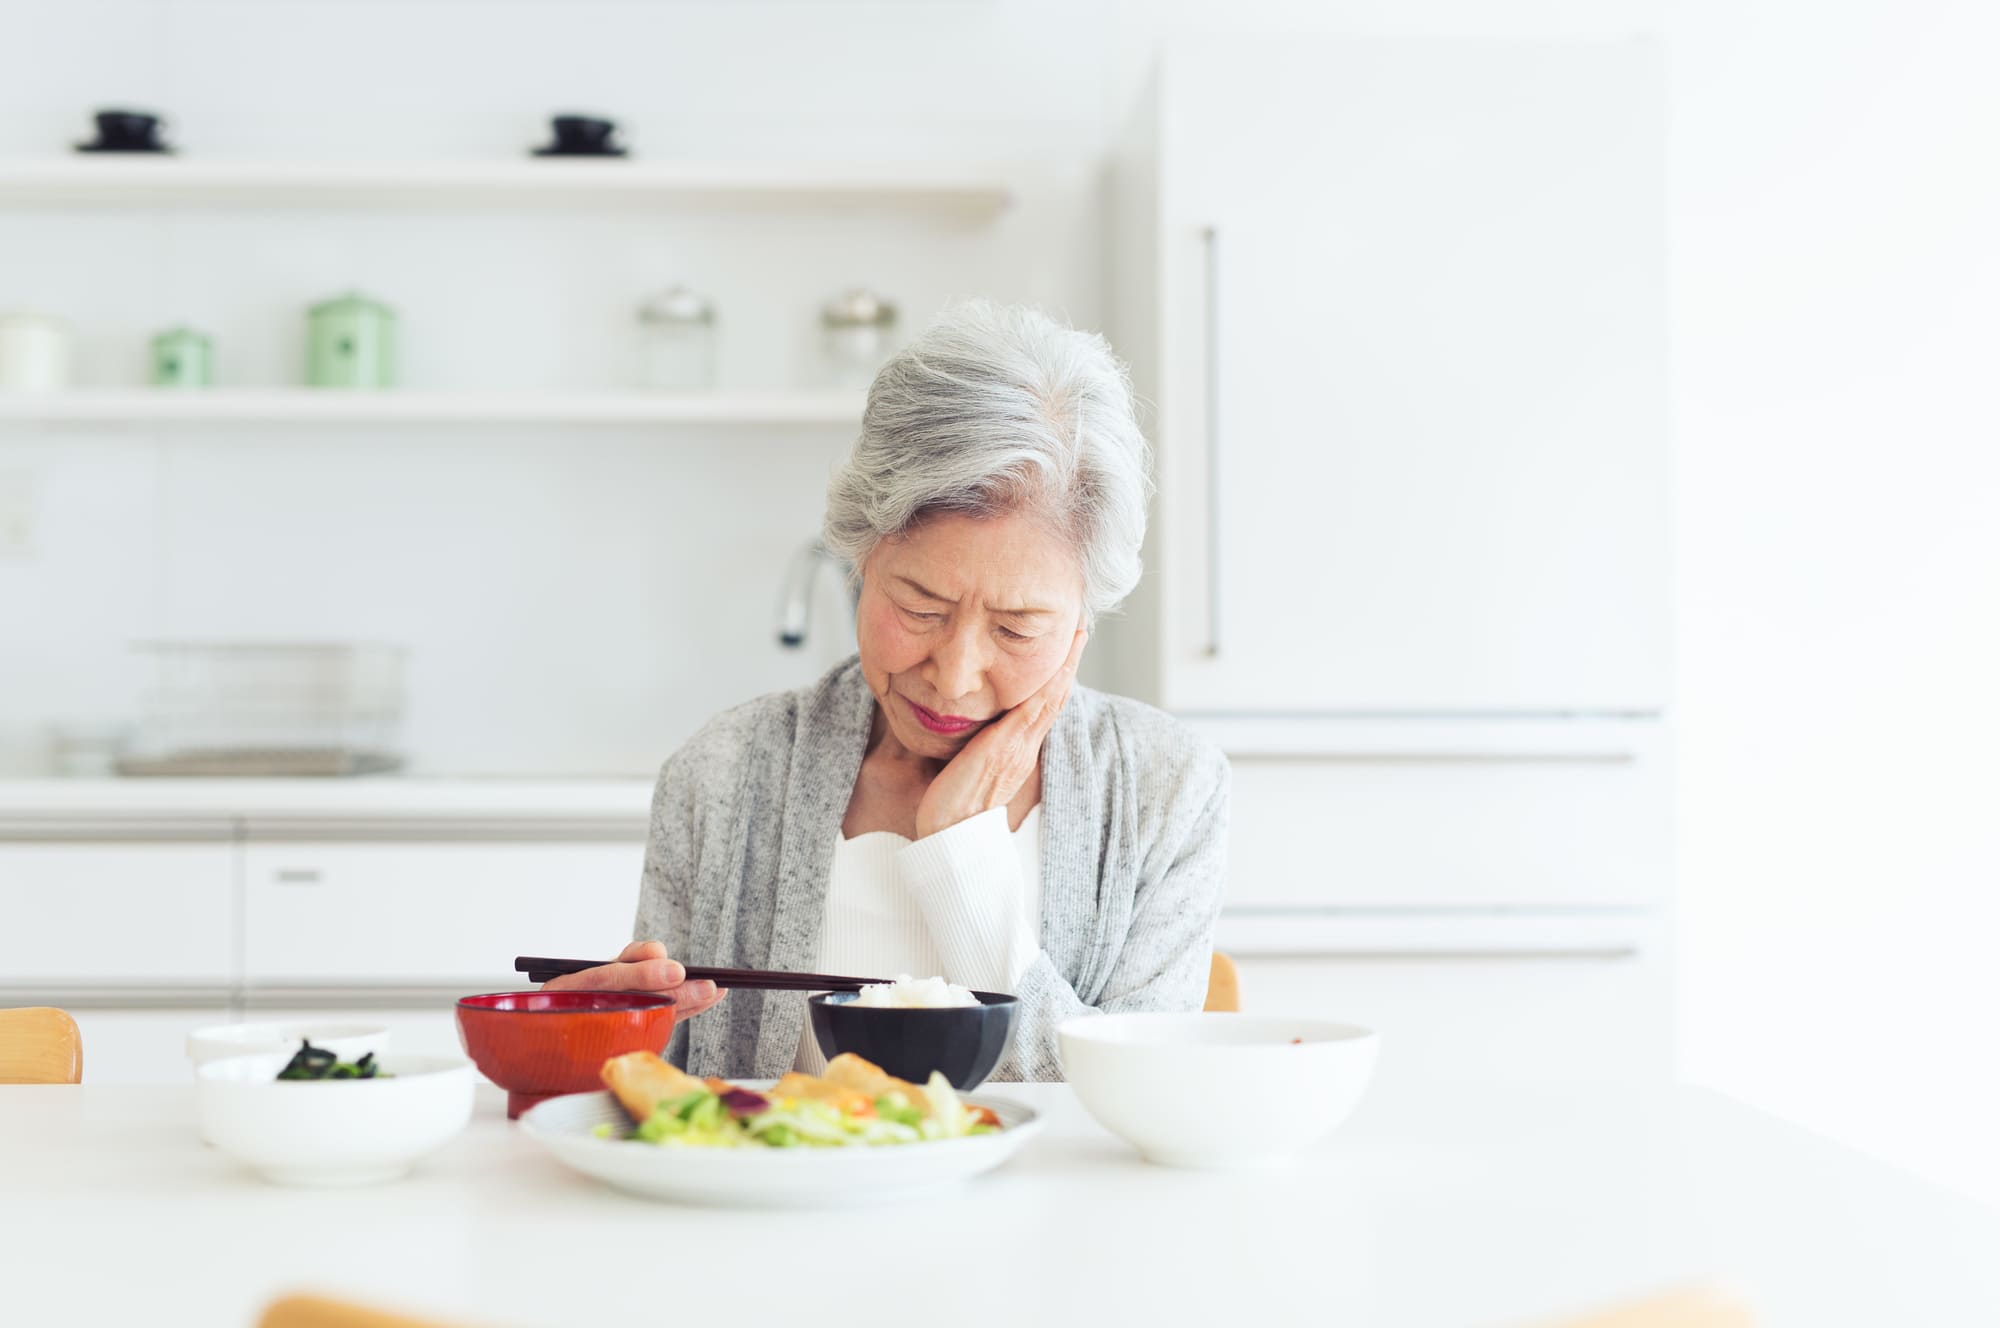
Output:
(747, 1118)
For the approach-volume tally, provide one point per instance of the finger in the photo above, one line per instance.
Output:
(646, 975)
(605, 977)
(1076, 649)
(638, 950)
(1054, 693)
(1035, 712)
(695, 997)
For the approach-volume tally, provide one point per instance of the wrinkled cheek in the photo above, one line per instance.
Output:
(885, 647)
(1028, 677)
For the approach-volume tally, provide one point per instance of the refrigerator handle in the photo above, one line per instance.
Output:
(1211, 246)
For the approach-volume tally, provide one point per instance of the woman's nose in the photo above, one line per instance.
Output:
(957, 666)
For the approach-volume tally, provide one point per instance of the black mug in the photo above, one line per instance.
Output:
(129, 131)
(583, 135)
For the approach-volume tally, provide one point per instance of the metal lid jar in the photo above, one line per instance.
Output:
(857, 334)
(677, 341)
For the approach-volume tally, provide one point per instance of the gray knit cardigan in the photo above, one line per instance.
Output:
(1135, 813)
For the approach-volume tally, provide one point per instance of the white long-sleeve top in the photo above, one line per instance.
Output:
(964, 903)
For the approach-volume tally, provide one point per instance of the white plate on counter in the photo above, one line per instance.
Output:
(768, 1177)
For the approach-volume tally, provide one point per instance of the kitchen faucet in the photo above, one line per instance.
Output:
(795, 604)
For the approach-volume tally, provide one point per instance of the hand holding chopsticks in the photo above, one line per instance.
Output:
(644, 966)
(640, 966)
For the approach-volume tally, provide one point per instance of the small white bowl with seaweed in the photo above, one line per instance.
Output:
(311, 1118)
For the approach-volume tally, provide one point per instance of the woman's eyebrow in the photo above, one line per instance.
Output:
(928, 593)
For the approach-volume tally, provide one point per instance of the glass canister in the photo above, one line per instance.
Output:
(677, 341)
(351, 342)
(183, 357)
(857, 333)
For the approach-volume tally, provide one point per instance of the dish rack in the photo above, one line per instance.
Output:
(257, 708)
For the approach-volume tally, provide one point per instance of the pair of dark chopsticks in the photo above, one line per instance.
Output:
(743, 979)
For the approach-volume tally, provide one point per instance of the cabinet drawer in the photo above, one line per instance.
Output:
(117, 913)
(1450, 831)
(330, 913)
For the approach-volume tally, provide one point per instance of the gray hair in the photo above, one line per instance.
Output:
(999, 409)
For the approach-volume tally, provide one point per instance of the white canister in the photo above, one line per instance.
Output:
(34, 353)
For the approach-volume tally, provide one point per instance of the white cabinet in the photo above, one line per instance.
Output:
(142, 1046)
(148, 909)
(330, 913)
(116, 912)
(1455, 1017)
(1399, 308)
(1452, 816)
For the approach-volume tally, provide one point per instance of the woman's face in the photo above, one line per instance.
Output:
(961, 619)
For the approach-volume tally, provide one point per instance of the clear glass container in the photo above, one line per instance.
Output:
(269, 708)
(677, 342)
(857, 335)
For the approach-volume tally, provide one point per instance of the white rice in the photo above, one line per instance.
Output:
(908, 993)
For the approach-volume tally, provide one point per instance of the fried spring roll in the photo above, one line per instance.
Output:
(640, 1081)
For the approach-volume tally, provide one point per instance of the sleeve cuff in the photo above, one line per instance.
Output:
(966, 881)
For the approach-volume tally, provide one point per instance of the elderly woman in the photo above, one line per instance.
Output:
(949, 801)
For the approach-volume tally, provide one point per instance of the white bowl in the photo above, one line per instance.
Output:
(333, 1131)
(1165, 1083)
(348, 1041)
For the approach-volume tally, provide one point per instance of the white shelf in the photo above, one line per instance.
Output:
(334, 406)
(46, 805)
(119, 181)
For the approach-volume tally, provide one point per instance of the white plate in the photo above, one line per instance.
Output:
(768, 1177)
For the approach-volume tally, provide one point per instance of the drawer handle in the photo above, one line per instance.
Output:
(296, 876)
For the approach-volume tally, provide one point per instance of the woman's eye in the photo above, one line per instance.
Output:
(923, 617)
(1013, 635)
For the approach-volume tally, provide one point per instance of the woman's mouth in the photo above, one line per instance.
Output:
(943, 725)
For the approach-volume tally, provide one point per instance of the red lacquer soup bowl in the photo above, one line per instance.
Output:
(543, 1044)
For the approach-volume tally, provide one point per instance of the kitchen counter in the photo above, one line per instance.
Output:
(1487, 1205)
(54, 803)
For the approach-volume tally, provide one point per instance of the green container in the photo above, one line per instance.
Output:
(183, 357)
(351, 342)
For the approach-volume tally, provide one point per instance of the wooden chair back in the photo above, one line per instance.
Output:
(1224, 991)
(321, 1312)
(40, 1045)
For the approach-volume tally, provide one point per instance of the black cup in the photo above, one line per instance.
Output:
(125, 131)
(581, 136)
(963, 1042)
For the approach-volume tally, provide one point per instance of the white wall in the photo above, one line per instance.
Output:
(1837, 187)
(574, 601)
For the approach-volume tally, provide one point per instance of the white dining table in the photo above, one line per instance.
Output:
(1456, 1205)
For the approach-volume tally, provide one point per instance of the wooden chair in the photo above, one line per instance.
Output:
(1224, 991)
(319, 1312)
(1695, 1307)
(40, 1045)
